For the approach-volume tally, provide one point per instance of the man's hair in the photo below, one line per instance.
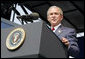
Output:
(61, 12)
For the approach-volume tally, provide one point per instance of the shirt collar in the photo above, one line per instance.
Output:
(56, 27)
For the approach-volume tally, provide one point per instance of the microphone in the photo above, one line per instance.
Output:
(32, 16)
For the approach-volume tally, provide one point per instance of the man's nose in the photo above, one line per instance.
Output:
(53, 15)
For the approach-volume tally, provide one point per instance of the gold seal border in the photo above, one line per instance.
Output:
(20, 43)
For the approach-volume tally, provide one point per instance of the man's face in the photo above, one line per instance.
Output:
(54, 16)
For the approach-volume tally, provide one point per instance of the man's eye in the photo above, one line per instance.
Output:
(51, 14)
(56, 13)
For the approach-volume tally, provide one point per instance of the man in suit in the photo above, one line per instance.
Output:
(66, 35)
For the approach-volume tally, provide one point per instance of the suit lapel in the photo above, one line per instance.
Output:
(59, 30)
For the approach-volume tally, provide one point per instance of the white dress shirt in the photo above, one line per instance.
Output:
(56, 27)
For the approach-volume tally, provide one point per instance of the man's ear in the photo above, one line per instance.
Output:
(61, 17)
(47, 18)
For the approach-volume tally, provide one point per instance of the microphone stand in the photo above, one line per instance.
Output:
(25, 20)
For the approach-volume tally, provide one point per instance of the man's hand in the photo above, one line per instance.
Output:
(65, 41)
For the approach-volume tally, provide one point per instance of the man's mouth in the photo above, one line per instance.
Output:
(54, 19)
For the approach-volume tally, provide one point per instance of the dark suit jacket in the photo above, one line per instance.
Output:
(70, 34)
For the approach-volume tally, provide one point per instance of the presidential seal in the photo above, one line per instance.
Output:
(15, 39)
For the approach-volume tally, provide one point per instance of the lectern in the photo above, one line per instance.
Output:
(39, 42)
